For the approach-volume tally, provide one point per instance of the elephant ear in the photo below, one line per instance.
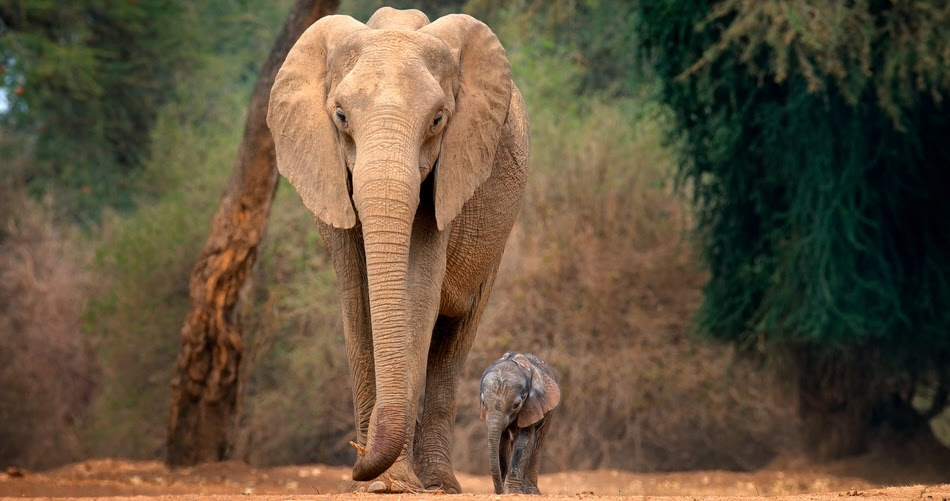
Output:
(304, 136)
(543, 397)
(481, 107)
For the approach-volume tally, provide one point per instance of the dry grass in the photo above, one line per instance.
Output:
(297, 400)
(46, 369)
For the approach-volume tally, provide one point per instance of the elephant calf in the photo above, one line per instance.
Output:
(517, 394)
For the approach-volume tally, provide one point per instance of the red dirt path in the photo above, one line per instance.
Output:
(119, 479)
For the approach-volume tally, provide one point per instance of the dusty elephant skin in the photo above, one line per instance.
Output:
(409, 142)
(518, 393)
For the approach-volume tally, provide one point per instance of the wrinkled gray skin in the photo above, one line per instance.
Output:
(517, 395)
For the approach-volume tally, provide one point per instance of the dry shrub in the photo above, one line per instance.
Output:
(297, 405)
(599, 279)
(46, 370)
(143, 262)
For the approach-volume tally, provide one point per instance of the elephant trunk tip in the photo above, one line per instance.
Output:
(372, 464)
(382, 451)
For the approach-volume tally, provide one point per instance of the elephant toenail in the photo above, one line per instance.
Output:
(377, 487)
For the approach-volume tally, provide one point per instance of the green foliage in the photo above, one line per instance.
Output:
(144, 258)
(87, 79)
(897, 50)
(813, 137)
(603, 37)
(596, 37)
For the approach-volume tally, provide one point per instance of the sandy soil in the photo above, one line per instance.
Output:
(121, 479)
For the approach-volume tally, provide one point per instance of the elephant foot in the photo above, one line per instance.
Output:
(514, 487)
(532, 489)
(397, 479)
(439, 477)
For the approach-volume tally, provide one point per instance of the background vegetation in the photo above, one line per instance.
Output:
(813, 137)
(104, 213)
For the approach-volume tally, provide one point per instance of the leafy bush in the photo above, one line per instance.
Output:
(88, 78)
(144, 259)
(812, 135)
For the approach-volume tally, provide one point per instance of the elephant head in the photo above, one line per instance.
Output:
(364, 116)
(516, 390)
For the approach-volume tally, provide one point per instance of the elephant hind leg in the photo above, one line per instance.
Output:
(521, 450)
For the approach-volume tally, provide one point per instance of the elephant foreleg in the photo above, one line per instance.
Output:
(346, 248)
(451, 341)
(504, 453)
(426, 272)
(349, 262)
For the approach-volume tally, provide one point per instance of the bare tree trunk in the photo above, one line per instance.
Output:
(205, 388)
(836, 394)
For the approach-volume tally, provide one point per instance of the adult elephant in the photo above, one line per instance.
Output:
(409, 142)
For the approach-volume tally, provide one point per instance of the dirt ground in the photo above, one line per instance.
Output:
(789, 479)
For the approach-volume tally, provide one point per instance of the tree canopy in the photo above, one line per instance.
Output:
(85, 79)
(813, 137)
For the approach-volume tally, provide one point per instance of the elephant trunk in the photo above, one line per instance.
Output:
(386, 195)
(496, 426)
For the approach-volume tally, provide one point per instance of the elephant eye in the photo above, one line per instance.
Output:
(516, 405)
(437, 120)
(340, 115)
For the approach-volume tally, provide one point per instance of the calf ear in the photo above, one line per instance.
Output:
(544, 396)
